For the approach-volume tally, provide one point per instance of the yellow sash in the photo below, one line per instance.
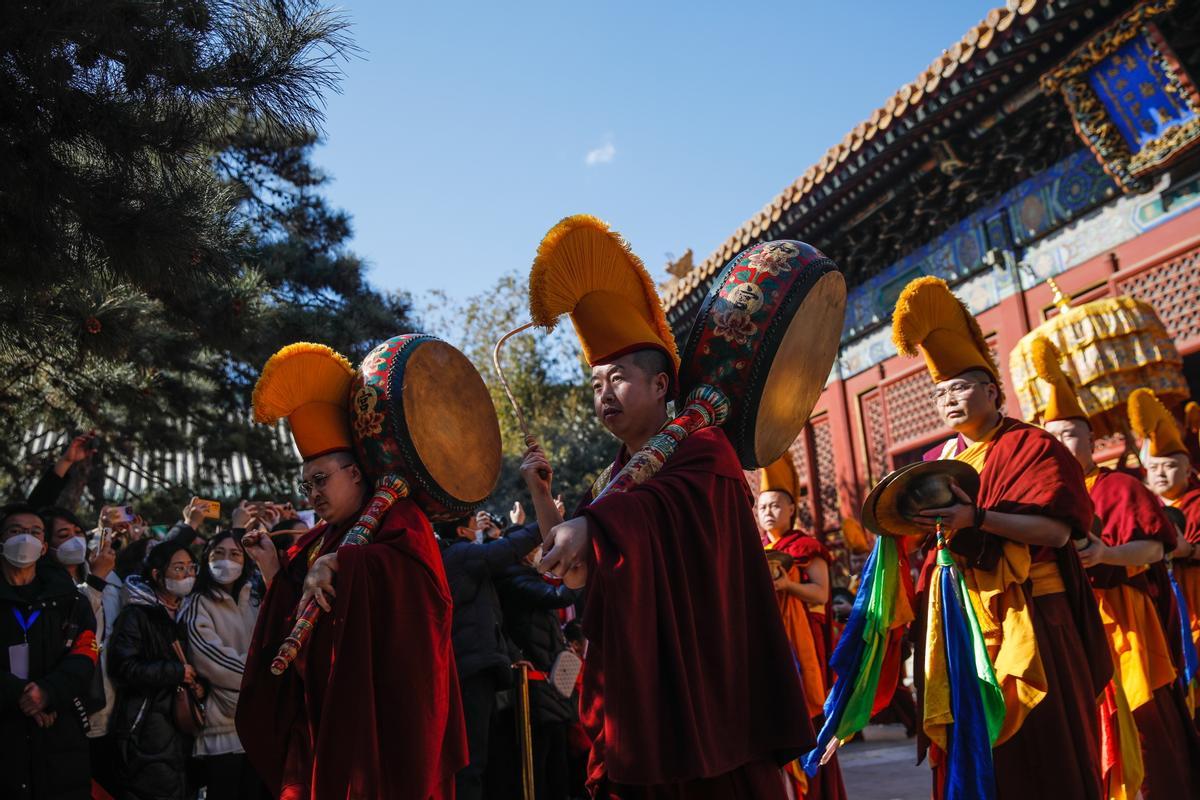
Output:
(1005, 617)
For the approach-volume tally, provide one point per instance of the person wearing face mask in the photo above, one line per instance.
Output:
(219, 619)
(47, 657)
(91, 571)
(146, 671)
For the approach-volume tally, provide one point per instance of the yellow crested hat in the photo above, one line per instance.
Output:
(1064, 403)
(780, 476)
(930, 320)
(1191, 416)
(1153, 423)
(310, 385)
(585, 269)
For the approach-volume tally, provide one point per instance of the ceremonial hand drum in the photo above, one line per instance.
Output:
(424, 426)
(757, 357)
(422, 411)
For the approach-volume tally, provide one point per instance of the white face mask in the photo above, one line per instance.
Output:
(22, 550)
(181, 587)
(71, 552)
(224, 571)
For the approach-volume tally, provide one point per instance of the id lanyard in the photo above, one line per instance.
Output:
(26, 624)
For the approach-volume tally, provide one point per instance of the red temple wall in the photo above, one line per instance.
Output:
(870, 423)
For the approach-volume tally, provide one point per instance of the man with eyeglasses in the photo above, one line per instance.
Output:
(371, 706)
(1039, 618)
(47, 655)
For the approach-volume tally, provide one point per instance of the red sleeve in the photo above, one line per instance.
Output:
(1129, 511)
(1189, 504)
(1028, 471)
(689, 670)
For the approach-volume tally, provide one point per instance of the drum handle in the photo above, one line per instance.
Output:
(706, 407)
(530, 441)
(390, 489)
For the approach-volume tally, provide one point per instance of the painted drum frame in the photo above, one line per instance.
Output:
(383, 441)
(743, 322)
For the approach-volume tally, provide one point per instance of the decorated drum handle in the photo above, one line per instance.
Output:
(390, 489)
(706, 407)
(530, 441)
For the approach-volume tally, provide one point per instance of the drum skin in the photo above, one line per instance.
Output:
(421, 410)
(767, 336)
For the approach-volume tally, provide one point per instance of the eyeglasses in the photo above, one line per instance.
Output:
(959, 390)
(182, 569)
(317, 481)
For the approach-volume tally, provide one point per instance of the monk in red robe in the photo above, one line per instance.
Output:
(690, 687)
(1013, 542)
(1170, 475)
(370, 708)
(1135, 534)
(803, 594)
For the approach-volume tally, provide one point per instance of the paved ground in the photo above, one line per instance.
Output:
(881, 767)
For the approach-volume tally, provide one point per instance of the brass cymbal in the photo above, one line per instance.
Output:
(902, 494)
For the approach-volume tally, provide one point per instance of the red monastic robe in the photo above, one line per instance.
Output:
(1170, 748)
(690, 689)
(1187, 572)
(827, 784)
(1055, 753)
(371, 706)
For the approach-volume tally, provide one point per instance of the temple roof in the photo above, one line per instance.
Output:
(990, 72)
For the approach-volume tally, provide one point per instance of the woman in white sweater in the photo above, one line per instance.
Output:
(219, 619)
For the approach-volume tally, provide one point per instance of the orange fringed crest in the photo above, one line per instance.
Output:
(585, 269)
(310, 385)
(856, 536)
(1150, 419)
(1191, 416)
(1047, 362)
(780, 476)
(931, 321)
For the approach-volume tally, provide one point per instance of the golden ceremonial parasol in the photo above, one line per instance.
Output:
(1109, 348)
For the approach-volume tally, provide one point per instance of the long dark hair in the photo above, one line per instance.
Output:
(206, 584)
(157, 560)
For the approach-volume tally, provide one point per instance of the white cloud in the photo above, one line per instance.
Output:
(604, 154)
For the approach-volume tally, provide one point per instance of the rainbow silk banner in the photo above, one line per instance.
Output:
(869, 644)
(964, 704)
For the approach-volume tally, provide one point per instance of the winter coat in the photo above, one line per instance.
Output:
(94, 590)
(219, 630)
(144, 668)
(478, 632)
(46, 763)
(529, 603)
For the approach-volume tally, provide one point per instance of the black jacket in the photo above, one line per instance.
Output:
(478, 626)
(49, 762)
(529, 603)
(145, 671)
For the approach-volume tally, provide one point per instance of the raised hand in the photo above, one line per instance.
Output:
(259, 547)
(318, 583)
(536, 471)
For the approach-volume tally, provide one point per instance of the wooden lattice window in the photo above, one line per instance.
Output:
(911, 413)
(1173, 288)
(799, 454)
(830, 508)
(874, 422)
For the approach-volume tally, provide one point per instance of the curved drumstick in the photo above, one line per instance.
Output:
(530, 441)
(390, 489)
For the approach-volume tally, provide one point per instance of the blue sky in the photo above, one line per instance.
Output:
(466, 131)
